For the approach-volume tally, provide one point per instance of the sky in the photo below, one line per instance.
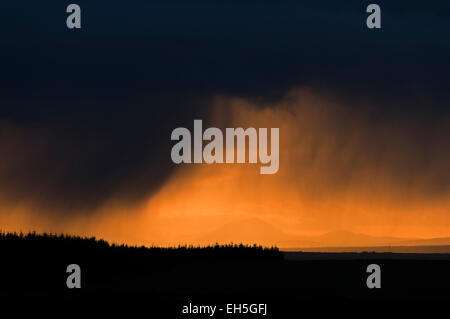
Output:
(86, 117)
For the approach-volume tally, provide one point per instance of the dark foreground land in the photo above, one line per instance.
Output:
(157, 283)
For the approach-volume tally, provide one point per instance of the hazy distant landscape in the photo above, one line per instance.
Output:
(429, 249)
(255, 230)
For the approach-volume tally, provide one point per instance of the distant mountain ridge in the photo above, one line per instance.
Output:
(252, 231)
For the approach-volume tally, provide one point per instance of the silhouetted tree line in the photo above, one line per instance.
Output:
(37, 262)
(50, 240)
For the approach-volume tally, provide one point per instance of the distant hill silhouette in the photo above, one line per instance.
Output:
(427, 249)
(251, 231)
(247, 231)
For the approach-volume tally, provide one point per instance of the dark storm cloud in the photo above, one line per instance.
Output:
(71, 163)
(87, 114)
